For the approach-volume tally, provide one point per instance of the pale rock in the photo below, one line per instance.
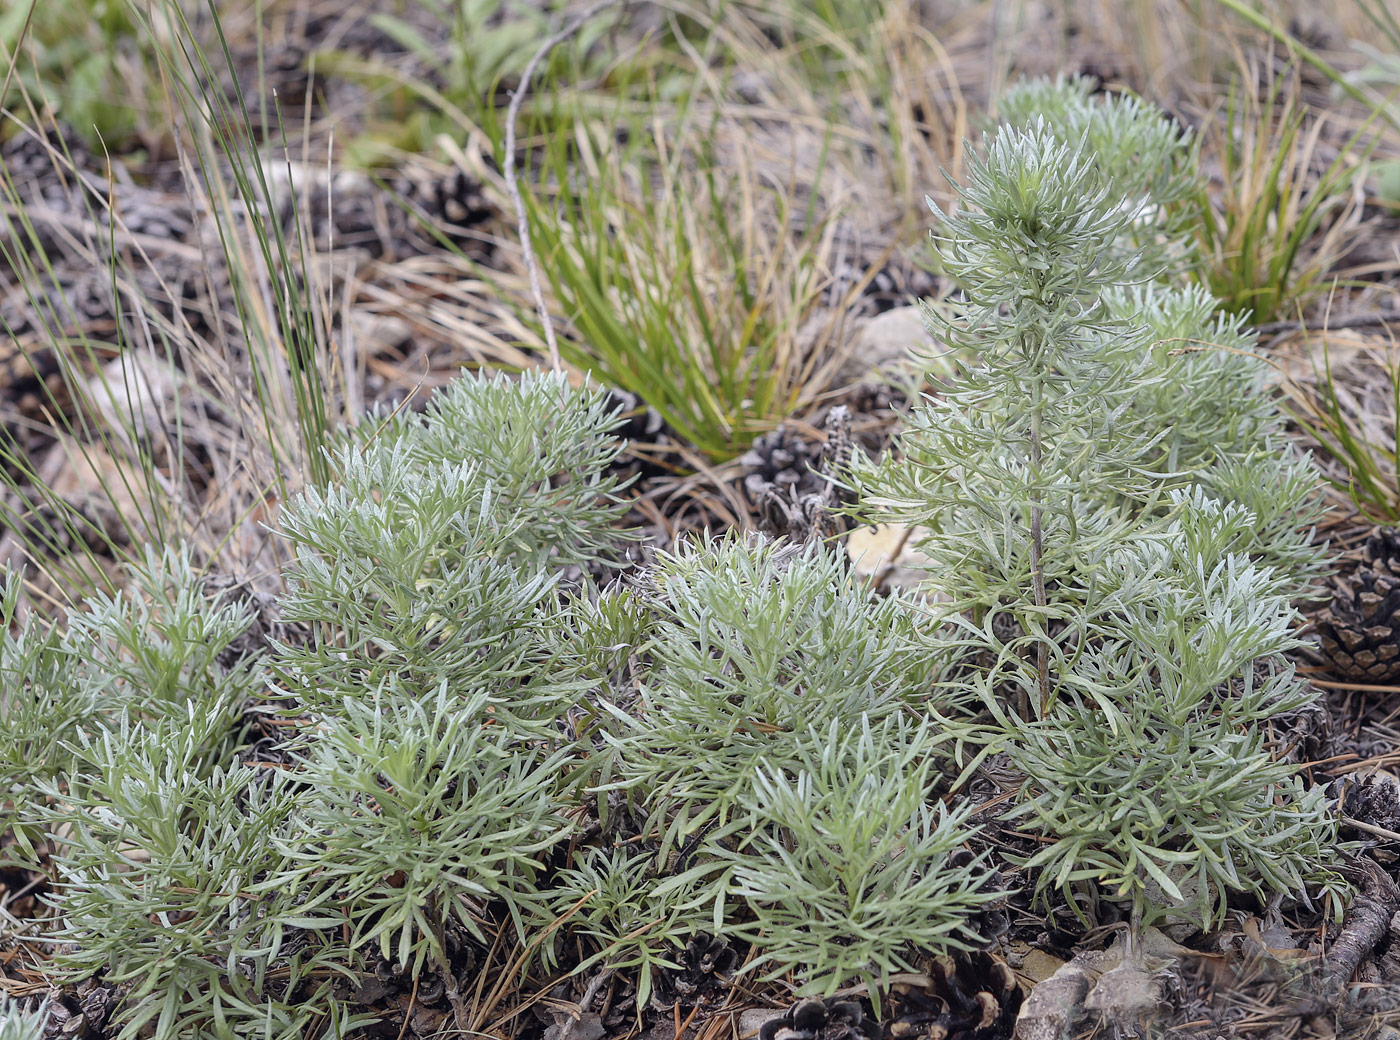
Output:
(1125, 993)
(374, 332)
(885, 342)
(87, 476)
(1179, 911)
(1117, 986)
(752, 1020)
(872, 549)
(1039, 965)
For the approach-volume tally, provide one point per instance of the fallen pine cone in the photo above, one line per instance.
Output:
(814, 1019)
(1360, 630)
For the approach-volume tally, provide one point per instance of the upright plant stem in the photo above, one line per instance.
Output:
(1042, 652)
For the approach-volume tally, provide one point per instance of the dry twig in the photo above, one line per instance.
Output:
(1368, 922)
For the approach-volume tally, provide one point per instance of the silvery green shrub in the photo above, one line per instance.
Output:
(157, 873)
(773, 710)
(15, 1025)
(148, 653)
(1148, 161)
(748, 649)
(435, 556)
(449, 713)
(427, 764)
(442, 660)
(120, 732)
(846, 864)
(1115, 527)
(762, 740)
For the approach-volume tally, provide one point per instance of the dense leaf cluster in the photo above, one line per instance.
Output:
(1114, 522)
(473, 753)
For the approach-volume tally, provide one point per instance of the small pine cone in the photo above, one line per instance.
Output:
(782, 472)
(782, 459)
(29, 160)
(1375, 801)
(708, 965)
(263, 631)
(449, 207)
(640, 422)
(990, 922)
(967, 995)
(154, 214)
(459, 201)
(814, 1019)
(1360, 631)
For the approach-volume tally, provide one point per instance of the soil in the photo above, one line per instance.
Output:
(419, 272)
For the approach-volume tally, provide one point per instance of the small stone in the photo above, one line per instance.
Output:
(1126, 992)
(753, 1019)
(885, 341)
(872, 549)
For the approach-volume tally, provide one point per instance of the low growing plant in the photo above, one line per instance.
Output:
(144, 656)
(84, 59)
(618, 901)
(1263, 249)
(15, 1025)
(847, 865)
(752, 653)
(450, 716)
(809, 828)
(1148, 161)
(157, 835)
(1112, 583)
(475, 758)
(156, 868)
(701, 309)
(426, 772)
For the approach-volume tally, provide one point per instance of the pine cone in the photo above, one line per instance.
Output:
(1360, 631)
(813, 1019)
(459, 201)
(969, 995)
(29, 160)
(451, 206)
(708, 965)
(893, 285)
(1373, 800)
(640, 422)
(49, 185)
(990, 921)
(781, 459)
(791, 482)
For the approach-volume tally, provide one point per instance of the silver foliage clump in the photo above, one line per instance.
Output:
(464, 743)
(772, 743)
(1115, 526)
(1147, 160)
(16, 1025)
(428, 768)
